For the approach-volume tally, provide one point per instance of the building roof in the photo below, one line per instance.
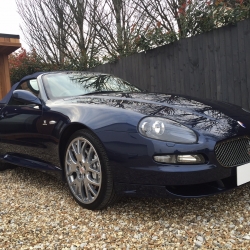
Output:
(9, 43)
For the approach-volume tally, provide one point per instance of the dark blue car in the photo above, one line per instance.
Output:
(108, 138)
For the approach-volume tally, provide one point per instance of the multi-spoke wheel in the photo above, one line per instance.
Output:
(87, 171)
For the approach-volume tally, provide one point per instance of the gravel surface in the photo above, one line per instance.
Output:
(38, 212)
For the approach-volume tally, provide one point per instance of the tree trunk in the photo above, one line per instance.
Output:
(118, 7)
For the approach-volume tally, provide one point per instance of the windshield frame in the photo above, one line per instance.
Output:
(50, 96)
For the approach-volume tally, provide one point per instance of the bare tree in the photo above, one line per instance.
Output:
(181, 17)
(43, 27)
(61, 30)
(82, 33)
(118, 24)
(83, 47)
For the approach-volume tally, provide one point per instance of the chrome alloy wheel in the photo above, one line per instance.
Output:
(83, 170)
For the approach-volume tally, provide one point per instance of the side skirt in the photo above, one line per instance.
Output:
(33, 164)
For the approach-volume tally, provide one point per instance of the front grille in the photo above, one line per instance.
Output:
(233, 152)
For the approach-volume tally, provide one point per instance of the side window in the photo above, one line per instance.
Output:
(31, 86)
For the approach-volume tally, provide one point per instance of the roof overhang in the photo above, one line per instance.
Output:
(9, 43)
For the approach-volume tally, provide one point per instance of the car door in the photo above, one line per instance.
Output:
(20, 129)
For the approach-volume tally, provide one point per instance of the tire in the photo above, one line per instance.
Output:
(87, 171)
(5, 165)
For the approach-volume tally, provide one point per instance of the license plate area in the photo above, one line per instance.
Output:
(243, 174)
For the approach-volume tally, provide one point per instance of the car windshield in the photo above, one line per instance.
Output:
(60, 85)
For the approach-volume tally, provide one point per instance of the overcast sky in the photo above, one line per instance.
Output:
(10, 20)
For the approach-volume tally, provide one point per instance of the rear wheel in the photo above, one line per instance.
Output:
(87, 171)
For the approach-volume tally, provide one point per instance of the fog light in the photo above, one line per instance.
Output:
(165, 158)
(182, 159)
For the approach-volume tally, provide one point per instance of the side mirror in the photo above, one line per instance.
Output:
(26, 97)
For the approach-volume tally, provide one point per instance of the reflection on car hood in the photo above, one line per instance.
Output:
(212, 117)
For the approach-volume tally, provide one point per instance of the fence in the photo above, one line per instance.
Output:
(213, 65)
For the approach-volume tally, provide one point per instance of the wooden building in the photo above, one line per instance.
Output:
(8, 44)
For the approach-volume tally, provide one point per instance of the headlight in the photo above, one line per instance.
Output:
(166, 130)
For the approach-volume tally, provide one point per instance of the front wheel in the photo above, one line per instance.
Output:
(87, 171)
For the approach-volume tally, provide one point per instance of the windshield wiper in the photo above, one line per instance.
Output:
(101, 92)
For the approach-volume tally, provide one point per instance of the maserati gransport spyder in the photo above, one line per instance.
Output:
(107, 138)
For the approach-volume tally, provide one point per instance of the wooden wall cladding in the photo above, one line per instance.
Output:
(8, 44)
(214, 65)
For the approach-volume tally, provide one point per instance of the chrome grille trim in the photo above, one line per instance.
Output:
(233, 152)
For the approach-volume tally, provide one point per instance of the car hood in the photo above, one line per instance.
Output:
(212, 117)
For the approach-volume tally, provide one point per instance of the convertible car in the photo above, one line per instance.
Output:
(107, 138)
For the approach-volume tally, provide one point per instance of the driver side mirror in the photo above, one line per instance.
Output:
(26, 97)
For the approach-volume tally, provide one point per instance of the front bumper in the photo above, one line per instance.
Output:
(182, 191)
(136, 173)
(161, 180)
